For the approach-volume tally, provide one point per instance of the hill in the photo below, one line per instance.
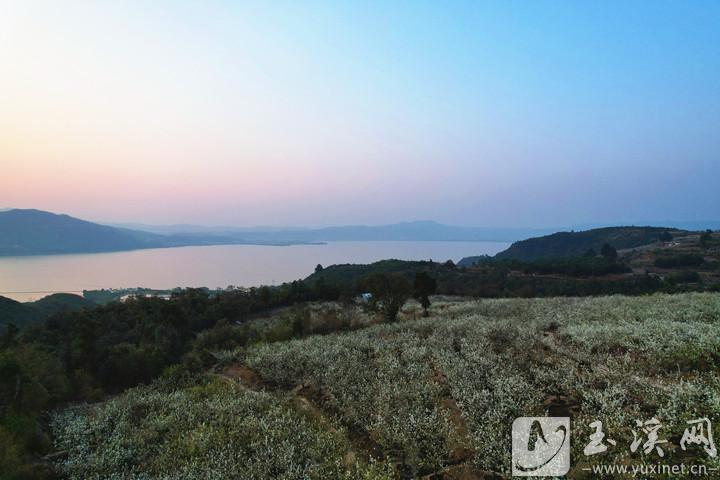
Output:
(14, 312)
(21, 314)
(35, 232)
(685, 263)
(576, 244)
(422, 398)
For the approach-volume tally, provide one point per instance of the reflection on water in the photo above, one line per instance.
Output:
(216, 266)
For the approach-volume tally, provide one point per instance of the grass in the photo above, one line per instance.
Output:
(419, 396)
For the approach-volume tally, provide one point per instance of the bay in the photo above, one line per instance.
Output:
(30, 278)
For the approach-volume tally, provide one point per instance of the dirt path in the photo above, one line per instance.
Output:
(309, 400)
(460, 448)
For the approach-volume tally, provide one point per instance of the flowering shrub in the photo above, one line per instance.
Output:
(208, 430)
(502, 359)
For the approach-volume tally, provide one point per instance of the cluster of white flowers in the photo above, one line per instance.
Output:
(376, 381)
(207, 430)
(609, 358)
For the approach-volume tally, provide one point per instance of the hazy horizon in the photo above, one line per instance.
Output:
(535, 114)
(651, 222)
(659, 222)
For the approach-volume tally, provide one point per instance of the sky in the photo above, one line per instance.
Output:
(504, 113)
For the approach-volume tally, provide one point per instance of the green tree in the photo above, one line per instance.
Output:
(705, 238)
(10, 383)
(318, 268)
(608, 251)
(423, 287)
(7, 339)
(388, 293)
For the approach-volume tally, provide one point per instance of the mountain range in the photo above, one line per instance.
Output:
(36, 232)
(421, 230)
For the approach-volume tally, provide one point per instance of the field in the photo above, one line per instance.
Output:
(423, 397)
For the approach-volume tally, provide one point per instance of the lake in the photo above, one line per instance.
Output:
(30, 278)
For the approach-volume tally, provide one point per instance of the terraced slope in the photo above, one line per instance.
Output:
(428, 397)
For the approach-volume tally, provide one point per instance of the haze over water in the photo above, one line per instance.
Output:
(29, 278)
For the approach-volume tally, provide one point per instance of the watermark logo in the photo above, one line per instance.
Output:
(540, 446)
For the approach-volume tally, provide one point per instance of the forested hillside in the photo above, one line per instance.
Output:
(575, 244)
(24, 314)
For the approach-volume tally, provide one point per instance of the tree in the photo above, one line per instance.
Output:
(423, 287)
(666, 236)
(10, 382)
(9, 335)
(388, 293)
(608, 251)
(705, 238)
(590, 253)
(318, 268)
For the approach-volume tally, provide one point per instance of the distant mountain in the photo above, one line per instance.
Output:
(405, 231)
(22, 314)
(35, 232)
(571, 244)
(186, 228)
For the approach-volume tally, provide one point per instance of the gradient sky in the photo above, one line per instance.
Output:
(315, 113)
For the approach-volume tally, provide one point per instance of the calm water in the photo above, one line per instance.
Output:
(29, 278)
